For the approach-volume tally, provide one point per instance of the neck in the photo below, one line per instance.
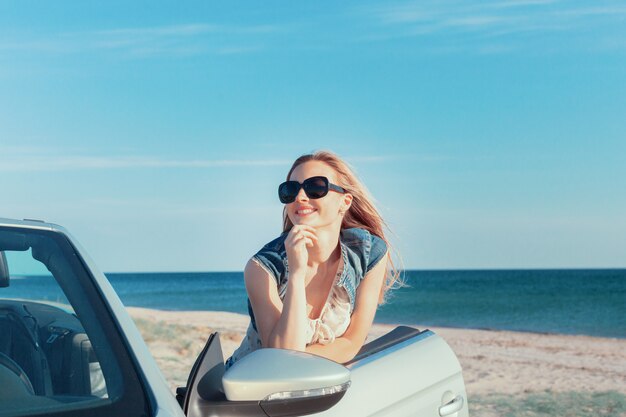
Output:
(327, 246)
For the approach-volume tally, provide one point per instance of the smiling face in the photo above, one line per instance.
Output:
(321, 212)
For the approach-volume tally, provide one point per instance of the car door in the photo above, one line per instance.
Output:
(415, 376)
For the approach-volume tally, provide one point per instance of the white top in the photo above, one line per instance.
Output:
(334, 318)
(332, 322)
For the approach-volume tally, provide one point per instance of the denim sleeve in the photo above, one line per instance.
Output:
(265, 261)
(269, 262)
(270, 259)
(377, 252)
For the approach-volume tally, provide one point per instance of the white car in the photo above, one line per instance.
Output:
(69, 348)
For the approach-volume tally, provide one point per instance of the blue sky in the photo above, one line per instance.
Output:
(492, 134)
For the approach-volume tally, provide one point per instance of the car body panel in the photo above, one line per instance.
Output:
(408, 379)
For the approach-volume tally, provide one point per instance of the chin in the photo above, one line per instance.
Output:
(306, 220)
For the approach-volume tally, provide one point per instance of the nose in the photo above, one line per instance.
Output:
(301, 196)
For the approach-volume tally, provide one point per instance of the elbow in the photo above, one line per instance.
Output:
(352, 350)
(350, 354)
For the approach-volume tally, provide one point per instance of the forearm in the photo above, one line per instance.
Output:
(340, 350)
(290, 329)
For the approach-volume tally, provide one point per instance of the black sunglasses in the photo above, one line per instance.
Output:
(314, 187)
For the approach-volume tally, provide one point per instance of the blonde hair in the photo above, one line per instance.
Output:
(362, 213)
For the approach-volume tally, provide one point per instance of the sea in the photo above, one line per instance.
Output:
(565, 301)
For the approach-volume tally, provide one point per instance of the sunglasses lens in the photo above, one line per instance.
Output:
(316, 187)
(287, 191)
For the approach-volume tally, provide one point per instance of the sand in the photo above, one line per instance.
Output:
(501, 362)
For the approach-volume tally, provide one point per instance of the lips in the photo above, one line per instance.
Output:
(304, 211)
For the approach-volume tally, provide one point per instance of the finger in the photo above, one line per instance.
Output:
(304, 227)
(307, 233)
(298, 239)
(295, 231)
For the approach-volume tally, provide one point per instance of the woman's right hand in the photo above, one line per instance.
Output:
(300, 238)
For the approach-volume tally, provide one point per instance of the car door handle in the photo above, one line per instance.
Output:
(451, 407)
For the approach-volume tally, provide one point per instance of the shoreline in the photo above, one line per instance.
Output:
(493, 361)
(420, 326)
(493, 329)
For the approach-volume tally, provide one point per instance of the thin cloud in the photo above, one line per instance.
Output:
(423, 157)
(354, 159)
(509, 21)
(615, 11)
(174, 30)
(27, 159)
(30, 163)
(174, 208)
(442, 16)
(142, 34)
(519, 3)
(237, 50)
(169, 40)
(473, 21)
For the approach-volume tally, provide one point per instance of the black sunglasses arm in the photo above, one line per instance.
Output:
(336, 188)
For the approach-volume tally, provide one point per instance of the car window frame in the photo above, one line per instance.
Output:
(135, 397)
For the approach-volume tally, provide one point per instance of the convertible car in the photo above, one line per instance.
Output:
(69, 348)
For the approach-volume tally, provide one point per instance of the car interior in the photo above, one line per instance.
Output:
(45, 354)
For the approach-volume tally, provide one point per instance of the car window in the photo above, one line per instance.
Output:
(55, 355)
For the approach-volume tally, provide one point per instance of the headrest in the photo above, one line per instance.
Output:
(13, 241)
(4, 271)
(10, 241)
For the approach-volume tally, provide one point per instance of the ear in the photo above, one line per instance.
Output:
(347, 202)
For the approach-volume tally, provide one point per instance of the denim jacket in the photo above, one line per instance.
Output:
(360, 251)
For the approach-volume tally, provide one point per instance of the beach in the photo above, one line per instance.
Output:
(518, 365)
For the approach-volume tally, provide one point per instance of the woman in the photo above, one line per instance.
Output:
(317, 286)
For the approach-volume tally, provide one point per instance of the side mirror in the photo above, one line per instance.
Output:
(4, 271)
(286, 382)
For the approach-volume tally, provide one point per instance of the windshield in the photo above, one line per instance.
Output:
(53, 352)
